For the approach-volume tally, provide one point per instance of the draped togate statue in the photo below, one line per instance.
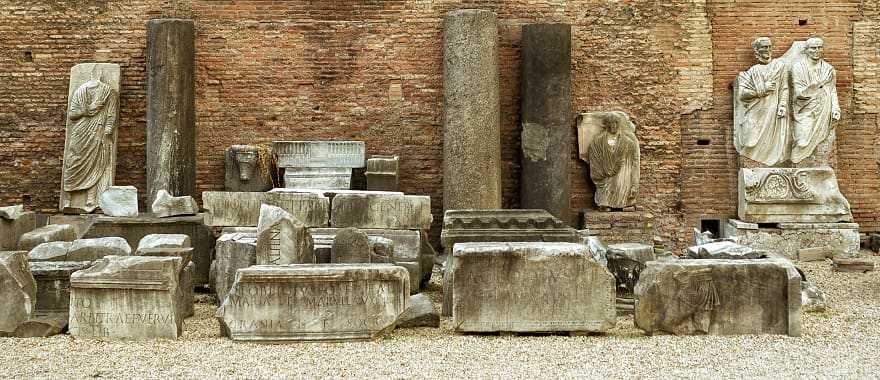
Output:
(90, 144)
(607, 141)
(761, 123)
(814, 100)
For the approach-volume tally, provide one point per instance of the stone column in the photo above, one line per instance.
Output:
(471, 120)
(171, 129)
(546, 118)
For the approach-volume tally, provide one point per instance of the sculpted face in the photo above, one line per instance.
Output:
(612, 127)
(814, 49)
(763, 49)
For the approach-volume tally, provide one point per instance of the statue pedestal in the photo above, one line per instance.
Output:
(788, 238)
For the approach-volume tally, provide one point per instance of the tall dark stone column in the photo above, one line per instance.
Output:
(171, 116)
(472, 112)
(546, 118)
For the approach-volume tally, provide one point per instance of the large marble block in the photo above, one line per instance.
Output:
(403, 212)
(719, 297)
(18, 291)
(171, 110)
(11, 229)
(530, 287)
(53, 284)
(250, 168)
(234, 251)
(119, 201)
(89, 163)
(319, 164)
(791, 195)
(242, 209)
(134, 297)
(314, 302)
(472, 111)
(136, 228)
(45, 234)
(787, 239)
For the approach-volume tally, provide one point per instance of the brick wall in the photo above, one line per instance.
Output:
(372, 71)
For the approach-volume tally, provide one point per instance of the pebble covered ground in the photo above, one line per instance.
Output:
(842, 342)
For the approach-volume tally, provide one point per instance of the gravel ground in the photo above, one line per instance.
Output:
(842, 342)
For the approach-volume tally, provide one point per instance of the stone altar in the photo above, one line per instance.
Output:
(608, 143)
(314, 302)
(90, 141)
(319, 164)
(53, 284)
(530, 287)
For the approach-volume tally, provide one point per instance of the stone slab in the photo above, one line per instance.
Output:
(546, 118)
(51, 251)
(314, 302)
(119, 201)
(165, 241)
(402, 212)
(791, 195)
(171, 112)
(127, 298)
(320, 154)
(815, 253)
(12, 229)
(42, 326)
(135, 229)
(96, 248)
(719, 297)
(787, 238)
(53, 284)
(530, 287)
(852, 265)
(51, 232)
(317, 178)
(234, 251)
(18, 291)
(242, 209)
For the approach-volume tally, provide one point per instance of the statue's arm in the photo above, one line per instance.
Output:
(747, 91)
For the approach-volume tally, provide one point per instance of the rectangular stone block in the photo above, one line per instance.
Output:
(815, 253)
(719, 297)
(243, 208)
(320, 154)
(234, 251)
(317, 178)
(12, 229)
(382, 173)
(309, 302)
(401, 212)
(134, 297)
(530, 287)
(53, 284)
(787, 239)
(791, 195)
(136, 228)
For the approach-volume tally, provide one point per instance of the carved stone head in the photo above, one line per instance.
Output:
(763, 49)
(246, 158)
(814, 48)
(611, 123)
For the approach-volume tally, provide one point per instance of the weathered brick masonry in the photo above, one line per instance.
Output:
(372, 71)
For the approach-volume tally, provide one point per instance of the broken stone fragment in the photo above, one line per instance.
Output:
(166, 205)
(51, 251)
(852, 265)
(420, 313)
(282, 238)
(350, 245)
(812, 298)
(52, 232)
(11, 212)
(18, 291)
(94, 249)
(165, 241)
(119, 201)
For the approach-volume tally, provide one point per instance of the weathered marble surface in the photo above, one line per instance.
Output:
(282, 238)
(51, 251)
(243, 208)
(11, 212)
(165, 205)
(13, 227)
(45, 234)
(234, 251)
(608, 144)
(94, 249)
(53, 284)
(402, 212)
(815, 107)
(472, 111)
(530, 287)
(787, 239)
(719, 297)
(420, 313)
(791, 195)
(724, 249)
(90, 140)
(136, 228)
(18, 291)
(119, 201)
(546, 118)
(250, 168)
(317, 302)
(383, 173)
(133, 297)
(319, 164)
(171, 112)
(351, 246)
(165, 241)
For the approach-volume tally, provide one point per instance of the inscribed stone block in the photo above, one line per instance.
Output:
(242, 209)
(282, 239)
(405, 212)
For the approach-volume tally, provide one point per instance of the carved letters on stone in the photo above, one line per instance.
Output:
(607, 142)
(90, 142)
